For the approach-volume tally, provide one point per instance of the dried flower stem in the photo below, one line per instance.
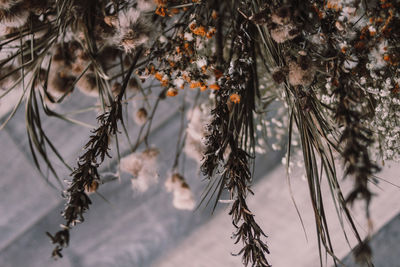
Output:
(87, 171)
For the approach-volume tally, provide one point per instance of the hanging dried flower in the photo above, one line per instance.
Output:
(182, 195)
(143, 167)
(141, 116)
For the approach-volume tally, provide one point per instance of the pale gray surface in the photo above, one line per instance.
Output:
(132, 229)
(385, 246)
(210, 244)
(140, 229)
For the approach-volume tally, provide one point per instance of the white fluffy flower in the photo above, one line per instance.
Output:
(188, 36)
(376, 56)
(201, 62)
(179, 82)
(143, 167)
(196, 131)
(182, 195)
(131, 30)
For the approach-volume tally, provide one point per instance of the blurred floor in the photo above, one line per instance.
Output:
(133, 229)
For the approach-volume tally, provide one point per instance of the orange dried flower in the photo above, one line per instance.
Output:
(214, 86)
(161, 11)
(200, 31)
(158, 76)
(331, 5)
(386, 57)
(164, 82)
(186, 78)
(195, 85)
(172, 92)
(192, 26)
(235, 98)
(211, 33)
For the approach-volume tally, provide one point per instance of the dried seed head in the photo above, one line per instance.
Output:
(131, 30)
(279, 76)
(260, 17)
(301, 73)
(132, 39)
(172, 92)
(143, 167)
(92, 187)
(150, 153)
(60, 82)
(283, 33)
(234, 98)
(183, 198)
(282, 16)
(133, 85)
(182, 195)
(7, 4)
(141, 116)
(111, 21)
(16, 16)
(132, 164)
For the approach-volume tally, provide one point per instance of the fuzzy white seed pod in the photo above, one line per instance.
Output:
(182, 195)
(131, 164)
(14, 17)
(283, 33)
(131, 30)
(281, 16)
(7, 4)
(300, 74)
(183, 198)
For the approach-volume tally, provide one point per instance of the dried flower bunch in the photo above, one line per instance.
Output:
(331, 66)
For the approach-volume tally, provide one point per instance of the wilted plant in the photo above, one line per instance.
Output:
(334, 66)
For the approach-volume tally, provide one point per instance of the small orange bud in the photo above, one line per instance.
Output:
(172, 92)
(161, 11)
(192, 26)
(214, 14)
(235, 98)
(158, 76)
(214, 86)
(211, 33)
(195, 85)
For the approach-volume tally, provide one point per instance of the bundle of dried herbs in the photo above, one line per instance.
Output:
(332, 67)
